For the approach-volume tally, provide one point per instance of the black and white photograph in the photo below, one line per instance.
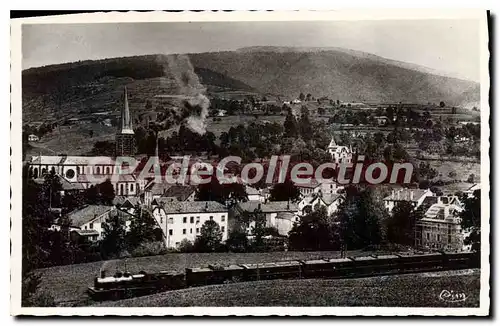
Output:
(251, 163)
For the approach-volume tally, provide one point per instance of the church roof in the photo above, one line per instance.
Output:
(126, 123)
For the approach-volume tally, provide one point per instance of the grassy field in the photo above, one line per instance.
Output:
(410, 290)
(70, 282)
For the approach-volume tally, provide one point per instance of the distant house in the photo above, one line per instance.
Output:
(470, 192)
(340, 154)
(33, 138)
(312, 202)
(414, 196)
(278, 214)
(381, 120)
(255, 194)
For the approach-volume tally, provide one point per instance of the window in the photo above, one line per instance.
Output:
(184, 219)
(70, 173)
(98, 170)
(197, 230)
(428, 236)
(222, 228)
(170, 232)
(197, 219)
(183, 231)
(131, 187)
(211, 218)
(108, 170)
(121, 189)
(85, 228)
(191, 231)
(223, 218)
(439, 237)
(77, 170)
(161, 219)
(91, 226)
(191, 219)
(449, 238)
(170, 220)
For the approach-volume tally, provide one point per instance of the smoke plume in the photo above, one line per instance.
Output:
(179, 68)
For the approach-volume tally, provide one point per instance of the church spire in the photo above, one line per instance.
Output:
(126, 123)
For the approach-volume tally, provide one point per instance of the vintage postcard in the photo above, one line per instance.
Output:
(251, 163)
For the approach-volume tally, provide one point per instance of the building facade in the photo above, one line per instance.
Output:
(184, 220)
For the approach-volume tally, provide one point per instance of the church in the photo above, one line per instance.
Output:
(76, 169)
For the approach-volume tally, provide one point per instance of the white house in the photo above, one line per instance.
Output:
(311, 202)
(279, 214)
(184, 220)
(87, 221)
(340, 154)
(415, 196)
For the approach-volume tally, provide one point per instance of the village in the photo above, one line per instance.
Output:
(271, 212)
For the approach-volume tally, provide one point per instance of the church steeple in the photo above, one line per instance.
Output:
(126, 123)
(125, 140)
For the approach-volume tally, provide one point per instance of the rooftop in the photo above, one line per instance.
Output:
(405, 194)
(180, 207)
(269, 207)
(88, 213)
(180, 192)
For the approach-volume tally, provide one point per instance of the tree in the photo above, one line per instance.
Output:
(210, 237)
(360, 216)
(471, 178)
(402, 222)
(186, 246)
(315, 231)
(286, 191)
(142, 228)
(226, 193)
(106, 192)
(290, 125)
(302, 97)
(113, 242)
(306, 130)
(237, 241)
(471, 220)
(442, 104)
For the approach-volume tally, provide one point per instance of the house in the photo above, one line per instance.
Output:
(311, 202)
(340, 154)
(381, 120)
(33, 137)
(180, 192)
(470, 192)
(278, 214)
(315, 187)
(415, 196)
(87, 221)
(67, 187)
(221, 113)
(181, 220)
(440, 228)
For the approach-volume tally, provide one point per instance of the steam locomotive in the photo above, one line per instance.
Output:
(126, 285)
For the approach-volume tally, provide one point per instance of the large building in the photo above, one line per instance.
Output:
(125, 138)
(85, 171)
(440, 228)
(184, 220)
(415, 196)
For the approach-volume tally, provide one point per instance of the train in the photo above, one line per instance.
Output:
(125, 285)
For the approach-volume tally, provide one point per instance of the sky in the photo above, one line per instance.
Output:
(450, 46)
